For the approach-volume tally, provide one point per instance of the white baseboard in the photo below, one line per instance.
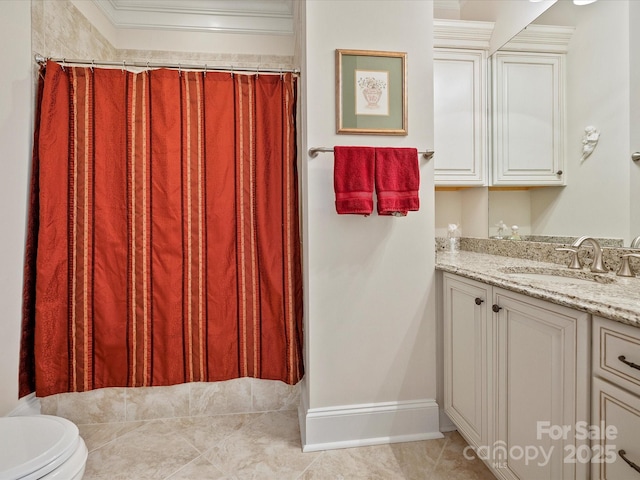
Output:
(367, 424)
(446, 425)
(27, 405)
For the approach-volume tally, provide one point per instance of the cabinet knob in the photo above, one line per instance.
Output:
(559, 172)
(479, 301)
(496, 308)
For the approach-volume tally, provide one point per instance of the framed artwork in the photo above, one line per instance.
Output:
(371, 92)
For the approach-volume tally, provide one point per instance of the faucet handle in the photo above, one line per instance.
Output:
(625, 269)
(575, 261)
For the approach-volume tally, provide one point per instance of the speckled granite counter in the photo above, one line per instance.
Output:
(619, 300)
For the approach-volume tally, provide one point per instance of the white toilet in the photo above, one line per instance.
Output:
(41, 447)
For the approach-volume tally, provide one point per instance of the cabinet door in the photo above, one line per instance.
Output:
(541, 366)
(617, 409)
(528, 116)
(459, 116)
(465, 349)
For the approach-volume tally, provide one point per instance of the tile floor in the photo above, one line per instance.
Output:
(259, 446)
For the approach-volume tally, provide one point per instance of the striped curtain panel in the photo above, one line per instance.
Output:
(163, 243)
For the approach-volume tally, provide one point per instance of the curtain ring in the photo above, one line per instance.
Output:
(231, 71)
(205, 70)
(123, 66)
(63, 64)
(92, 65)
(257, 71)
(281, 74)
(179, 70)
(147, 64)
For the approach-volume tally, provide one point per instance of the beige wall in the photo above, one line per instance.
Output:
(16, 120)
(370, 310)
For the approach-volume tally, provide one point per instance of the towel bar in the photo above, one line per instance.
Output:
(313, 152)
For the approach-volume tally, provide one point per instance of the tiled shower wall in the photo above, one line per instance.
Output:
(109, 405)
(58, 29)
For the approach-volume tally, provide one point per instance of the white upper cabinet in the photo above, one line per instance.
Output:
(528, 118)
(459, 104)
(520, 139)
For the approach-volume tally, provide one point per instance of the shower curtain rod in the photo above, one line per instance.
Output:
(178, 66)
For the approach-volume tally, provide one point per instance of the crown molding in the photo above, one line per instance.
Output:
(267, 17)
(462, 34)
(477, 35)
(541, 38)
(447, 5)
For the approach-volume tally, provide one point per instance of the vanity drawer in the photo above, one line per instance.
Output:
(616, 434)
(614, 344)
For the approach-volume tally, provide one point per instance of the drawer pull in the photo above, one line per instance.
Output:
(479, 301)
(622, 454)
(496, 308)
(624, 360)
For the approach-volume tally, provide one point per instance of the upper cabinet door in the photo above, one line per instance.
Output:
(528, 119)
(459, 103)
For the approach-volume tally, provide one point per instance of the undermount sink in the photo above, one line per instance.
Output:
(567, 276)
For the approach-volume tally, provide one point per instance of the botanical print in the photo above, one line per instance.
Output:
(372, 92)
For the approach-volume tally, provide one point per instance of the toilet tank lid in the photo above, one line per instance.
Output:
(29, 443)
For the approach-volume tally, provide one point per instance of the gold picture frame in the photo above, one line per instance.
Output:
(371, 92)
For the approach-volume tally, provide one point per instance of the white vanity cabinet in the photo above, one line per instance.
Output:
(467, 312)
(541, 370)
(528, 111)
(460, 123)
(516, 369)
(616, 400)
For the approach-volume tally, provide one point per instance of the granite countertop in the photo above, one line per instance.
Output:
(618, 300)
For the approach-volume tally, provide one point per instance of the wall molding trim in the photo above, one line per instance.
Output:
(462, 34)
(541, 38)
(362, 425)
(477, 35)
(249, 17)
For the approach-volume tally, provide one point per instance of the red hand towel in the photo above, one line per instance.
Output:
(353, 179)
(397, 180)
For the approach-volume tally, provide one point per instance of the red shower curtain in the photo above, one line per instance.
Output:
(163, 245)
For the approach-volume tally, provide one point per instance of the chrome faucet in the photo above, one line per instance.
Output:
(635, 243)
(596, 266)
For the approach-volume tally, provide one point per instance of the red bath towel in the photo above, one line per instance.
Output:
(353, 182)
(397, 180)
